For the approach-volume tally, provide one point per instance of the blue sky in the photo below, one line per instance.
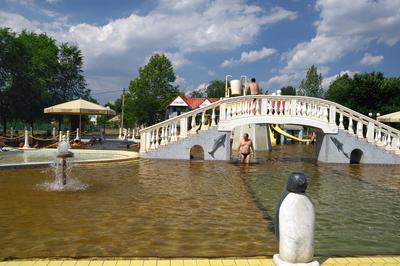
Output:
(273, 41)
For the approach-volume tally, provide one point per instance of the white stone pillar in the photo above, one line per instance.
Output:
(11, 132)
(152, 141)
(183, 128)
(68, 136)
(166, 135)
(332, 115)
(162, 143)
(60, 136)
(128, 135)
(26, 144)
(157, 139)
(193, 125)
(350, 128)
(203, 121)
(370, 132)
(120, 133)
(148, 141)
(142, 142)
(360, 133)
(213, 122)
(341, 126)
(54, 133)
(77, 134)
(296, 220)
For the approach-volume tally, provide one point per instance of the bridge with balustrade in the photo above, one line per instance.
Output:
(343, 136)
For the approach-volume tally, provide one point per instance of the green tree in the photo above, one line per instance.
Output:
(69, 81)
(288, 90)
(366, 93)
(311, 86)
(216, 89)
(197, 94)
(150, 93)
(31, 89)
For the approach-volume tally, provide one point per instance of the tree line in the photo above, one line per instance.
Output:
(37, 72)
(363, 92)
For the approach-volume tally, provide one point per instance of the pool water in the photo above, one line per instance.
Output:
(162, 208)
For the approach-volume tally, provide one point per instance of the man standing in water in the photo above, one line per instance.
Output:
(245, 149)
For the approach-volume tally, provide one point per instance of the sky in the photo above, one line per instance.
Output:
(274, 41)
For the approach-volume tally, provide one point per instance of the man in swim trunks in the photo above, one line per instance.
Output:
(245, 149)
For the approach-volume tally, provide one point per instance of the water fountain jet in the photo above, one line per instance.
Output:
(63, 153)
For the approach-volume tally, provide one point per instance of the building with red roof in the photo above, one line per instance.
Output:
(183, 104)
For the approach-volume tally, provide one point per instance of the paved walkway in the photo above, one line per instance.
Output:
(261, 261)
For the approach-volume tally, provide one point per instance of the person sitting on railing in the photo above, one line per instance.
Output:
(245, 149)
(254, 90)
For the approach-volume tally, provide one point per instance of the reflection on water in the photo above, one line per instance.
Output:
(181, 208)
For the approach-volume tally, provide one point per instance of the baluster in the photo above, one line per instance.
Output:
(304, 109)
(379, 137)
(286, 109)
(162, 143)
(157, 139)
(193, 125)
(203, 121)
(394, 143)
(360, 133)
(308, 109)
(152, 141)
(233, 110)
(298, 109)
(228, 111)
(174, 132)
(269, 107)
(398, 145)
(281, 108)
(257, 103)
(166, 135)
(384, 137)
(341, 126)
(351, 129)
(213, 122)
(389, 142)
(240, 108)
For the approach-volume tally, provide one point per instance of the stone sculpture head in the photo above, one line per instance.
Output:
(297, 183)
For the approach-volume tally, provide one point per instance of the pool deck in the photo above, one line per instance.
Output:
(259, 261)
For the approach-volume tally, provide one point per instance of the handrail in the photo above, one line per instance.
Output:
(351, 113)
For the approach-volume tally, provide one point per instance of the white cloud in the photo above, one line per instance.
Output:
(177, 59)
(211, 72)
(179, 80)
(369, 60)
(343, 28)
(249, 57)
(51, 2)
(177, 28)
(328, 80)
(21, 2)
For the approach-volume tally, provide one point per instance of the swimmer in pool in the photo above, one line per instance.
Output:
(245, 149)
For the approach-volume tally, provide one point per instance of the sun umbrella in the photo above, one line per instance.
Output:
(79, 107)
(391, 118)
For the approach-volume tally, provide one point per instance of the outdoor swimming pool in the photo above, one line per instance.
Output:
(199, 209)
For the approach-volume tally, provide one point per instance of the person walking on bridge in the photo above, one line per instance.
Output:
(245, 149)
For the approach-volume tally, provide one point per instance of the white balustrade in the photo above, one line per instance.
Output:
(313, 111)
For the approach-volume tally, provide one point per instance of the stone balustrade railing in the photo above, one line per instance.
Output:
(231, 112)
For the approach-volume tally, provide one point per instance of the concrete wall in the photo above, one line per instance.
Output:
(337, 148)
(258, 133)
(181, 150)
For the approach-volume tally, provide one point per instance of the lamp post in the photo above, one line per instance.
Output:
(372, 115)
(123, 107)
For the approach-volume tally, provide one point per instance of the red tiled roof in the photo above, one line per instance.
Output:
(194, 103)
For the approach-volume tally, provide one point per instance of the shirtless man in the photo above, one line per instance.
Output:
(245, 149)
(254, 87)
